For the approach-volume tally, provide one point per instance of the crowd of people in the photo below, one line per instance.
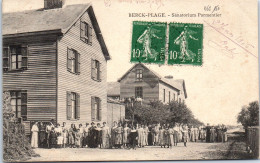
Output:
(122, 135)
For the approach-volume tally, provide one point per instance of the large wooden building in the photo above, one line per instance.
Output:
(140, 81)
(55, 64)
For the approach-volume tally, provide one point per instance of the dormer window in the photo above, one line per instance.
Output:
(139, 75)
(86, 32)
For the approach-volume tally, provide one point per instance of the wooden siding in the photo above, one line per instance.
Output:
(167, 89)
(115, 112)
(82, 83)
(149, 84)
(39, 79)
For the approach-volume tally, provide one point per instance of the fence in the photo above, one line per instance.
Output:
(253, 140)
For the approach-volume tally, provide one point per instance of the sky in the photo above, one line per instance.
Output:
(228, 78)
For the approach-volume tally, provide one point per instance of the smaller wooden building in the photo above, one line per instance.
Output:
(140, 81)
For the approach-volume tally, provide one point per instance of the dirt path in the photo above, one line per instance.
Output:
(194, 151)
(233, 149)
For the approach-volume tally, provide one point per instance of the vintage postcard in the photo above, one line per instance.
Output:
(130, 80)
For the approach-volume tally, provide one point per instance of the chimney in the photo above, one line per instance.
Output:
(52, 4)
(169, 77)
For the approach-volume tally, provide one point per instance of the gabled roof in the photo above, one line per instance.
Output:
(178, 84)
(113, 88)
(59, 19)
(134, 67)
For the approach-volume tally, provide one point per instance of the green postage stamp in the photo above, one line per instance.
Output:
(185, 43)
(148, 42)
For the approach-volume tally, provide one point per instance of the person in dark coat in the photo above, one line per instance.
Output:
(212, 134)
(150, 135)
(42, 135)
(48, 131)
(133, 138)
(208, 133)
(92, 136)
(98, 135)
(53, 138)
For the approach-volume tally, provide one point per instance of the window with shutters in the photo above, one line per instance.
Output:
(73, 106)
(96, 110)
(174, 96)
(139, 75)
(138, 92)
(19, 103)
(15, 57)
(73, 61)
(86, 32)
(95, 70)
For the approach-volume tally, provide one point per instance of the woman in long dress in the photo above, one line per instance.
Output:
(105, 136)
(176, 130)
(34, 140)
(143, 136)
(192, 134)
(156, 135)
(219, 133)
(185, 134)
(166, 136)
(113, 134)
(118, 136)
(161, 137)
(180, 136)
(202, 133)
(224, 130)
(212, 134)
(171, 132)
(58, 133)
(81, 132)
(65, 135)
(86, 135)
(77, 138)
(125, 136)
(71, 134)
(196, 134)
(140, 135)
(146, 130)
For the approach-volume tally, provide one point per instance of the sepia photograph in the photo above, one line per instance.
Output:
(130, 80)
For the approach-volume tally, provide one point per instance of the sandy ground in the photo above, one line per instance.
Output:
(193, 151)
